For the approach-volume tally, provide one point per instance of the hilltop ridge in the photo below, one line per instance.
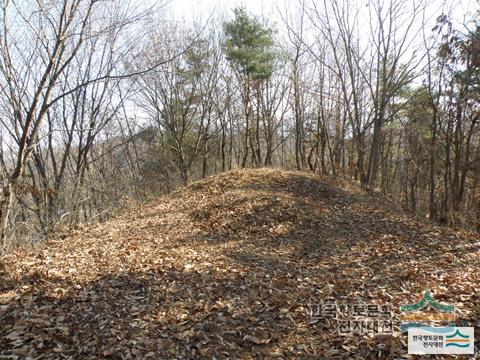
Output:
(227, 267)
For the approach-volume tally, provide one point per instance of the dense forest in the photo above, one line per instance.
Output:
(105, 104)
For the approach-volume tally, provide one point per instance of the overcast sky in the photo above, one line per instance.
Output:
(189, 10)
(204, 8)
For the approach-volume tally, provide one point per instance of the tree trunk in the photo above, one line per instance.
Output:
(431, 202)
(6, 199)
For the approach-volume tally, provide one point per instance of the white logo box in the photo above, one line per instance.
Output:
(441, 340)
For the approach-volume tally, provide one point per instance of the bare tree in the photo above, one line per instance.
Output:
(50, 39)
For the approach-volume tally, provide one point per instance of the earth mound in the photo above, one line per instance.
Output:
(229, 267)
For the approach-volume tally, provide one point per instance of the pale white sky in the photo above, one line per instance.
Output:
(204, 8)
(200, 9)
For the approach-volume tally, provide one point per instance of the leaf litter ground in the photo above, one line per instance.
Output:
(227, 268)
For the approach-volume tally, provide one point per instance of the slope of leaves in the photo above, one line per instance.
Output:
(226, 268)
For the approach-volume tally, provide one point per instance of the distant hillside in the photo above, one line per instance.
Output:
(227, 268)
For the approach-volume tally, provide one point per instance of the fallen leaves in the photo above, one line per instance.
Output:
(255, 340)
(227, 268)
